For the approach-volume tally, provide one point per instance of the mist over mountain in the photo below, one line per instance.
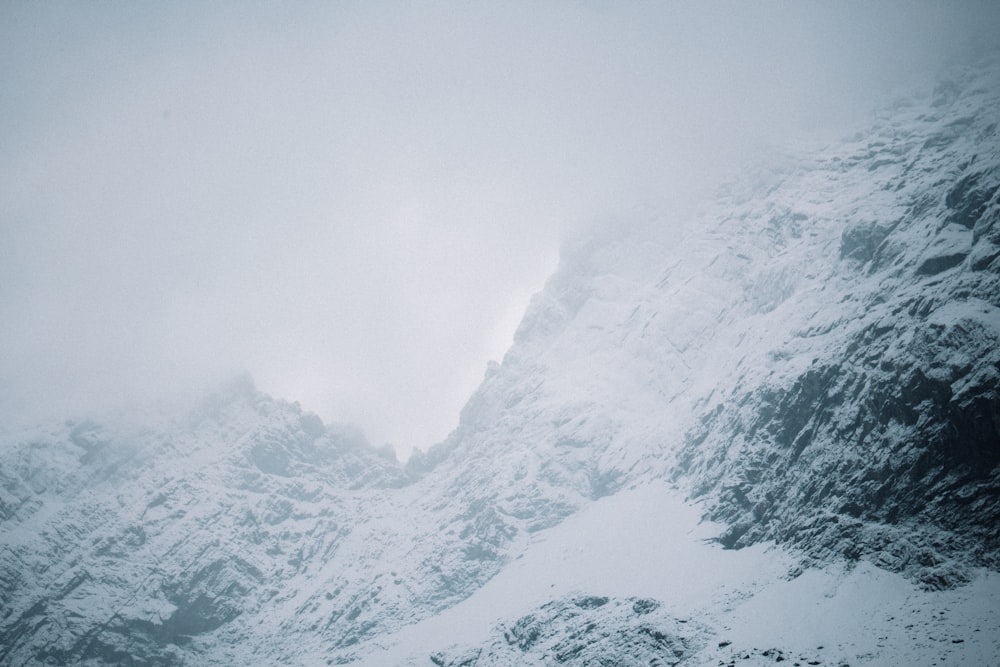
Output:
(768, 431)
(354, 202)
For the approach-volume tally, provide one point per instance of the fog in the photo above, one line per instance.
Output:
(353, 202)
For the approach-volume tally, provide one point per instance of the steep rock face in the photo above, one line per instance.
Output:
(879, 415)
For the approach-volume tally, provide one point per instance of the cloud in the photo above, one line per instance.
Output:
(350, 200)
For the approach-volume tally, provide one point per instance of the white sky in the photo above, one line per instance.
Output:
(353, 201)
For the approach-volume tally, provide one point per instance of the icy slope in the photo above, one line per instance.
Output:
(636, 579)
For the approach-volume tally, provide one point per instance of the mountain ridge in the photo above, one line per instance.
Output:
(813, 359)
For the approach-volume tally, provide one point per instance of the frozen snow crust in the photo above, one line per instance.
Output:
(811, 363)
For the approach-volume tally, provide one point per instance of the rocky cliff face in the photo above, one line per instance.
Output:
(814, 357)
(875, 428)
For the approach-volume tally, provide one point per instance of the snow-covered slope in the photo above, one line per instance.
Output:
(812, 361)
(613, 586)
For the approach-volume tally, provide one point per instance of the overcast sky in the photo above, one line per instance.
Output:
(353, 202)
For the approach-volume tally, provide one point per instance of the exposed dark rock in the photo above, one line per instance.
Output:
(935, 265)
(970, 197)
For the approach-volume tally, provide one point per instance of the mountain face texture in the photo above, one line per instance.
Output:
(810, 364)
(586, 630)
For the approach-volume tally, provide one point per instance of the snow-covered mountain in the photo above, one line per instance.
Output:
(811, 363)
